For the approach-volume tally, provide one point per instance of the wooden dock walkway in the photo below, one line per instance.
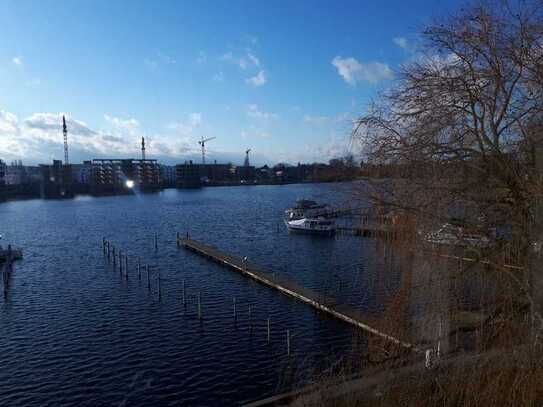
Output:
(288, 287)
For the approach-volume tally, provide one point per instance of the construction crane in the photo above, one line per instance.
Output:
(246, 164)
(65, 133)
(143, 148)
(202, 143)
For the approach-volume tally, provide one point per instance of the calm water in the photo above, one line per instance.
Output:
(74, 333)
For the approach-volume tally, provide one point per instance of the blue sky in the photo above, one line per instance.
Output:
(284, 78)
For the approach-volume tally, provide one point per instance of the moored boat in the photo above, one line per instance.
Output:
(315, 226)
(305, 208)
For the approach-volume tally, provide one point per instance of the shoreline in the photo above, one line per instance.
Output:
(86, 191)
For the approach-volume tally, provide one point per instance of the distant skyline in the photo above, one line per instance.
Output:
(283, 78)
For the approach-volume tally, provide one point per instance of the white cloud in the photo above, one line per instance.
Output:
(129, 125)
(402, 43)
(161, 59)
(339, 119)
(353, 71)
(165, 59)
(239, 61)
(253, 59)
(254, 112)
(38, 139)
(195, 119)
(48, 123)
(255, 134)
(259, 79)
(316, 120)
(188, 126)
(202, 57)
(243, 61)
(219, 76)
(150, 64)
(17, 61)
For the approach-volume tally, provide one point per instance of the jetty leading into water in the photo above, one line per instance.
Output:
(308, 296)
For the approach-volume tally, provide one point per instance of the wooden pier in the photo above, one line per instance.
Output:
(288, 287)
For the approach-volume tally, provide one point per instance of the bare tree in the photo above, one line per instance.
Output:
(463, 125)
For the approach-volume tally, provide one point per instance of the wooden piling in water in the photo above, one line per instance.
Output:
(126, 267)
(177, 240)
(156, 242)
(159, 287)
(199, 305)
(114, 257)
(288, 342)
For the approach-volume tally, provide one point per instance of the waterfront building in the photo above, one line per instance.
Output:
(246, 174)
(15, 173)
(123, 175)
(218, 173)
(168, 175)
(2, 173)
(33, 174)
(82, 173)
(57, 180)
(188, 175)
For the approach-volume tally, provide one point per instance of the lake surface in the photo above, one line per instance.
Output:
(73, 332)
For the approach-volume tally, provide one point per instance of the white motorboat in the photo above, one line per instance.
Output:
(305, 208)
(316, 226)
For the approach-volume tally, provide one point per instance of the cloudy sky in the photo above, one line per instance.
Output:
(284, 78)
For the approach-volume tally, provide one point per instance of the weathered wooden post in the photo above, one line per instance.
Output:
(177, 240)
(156, 242)
(114, 257)
(103, 245)
(199, 305)
(159, 287)
(288, 342)
(268, 330)
(120, 263)
(126, 267)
